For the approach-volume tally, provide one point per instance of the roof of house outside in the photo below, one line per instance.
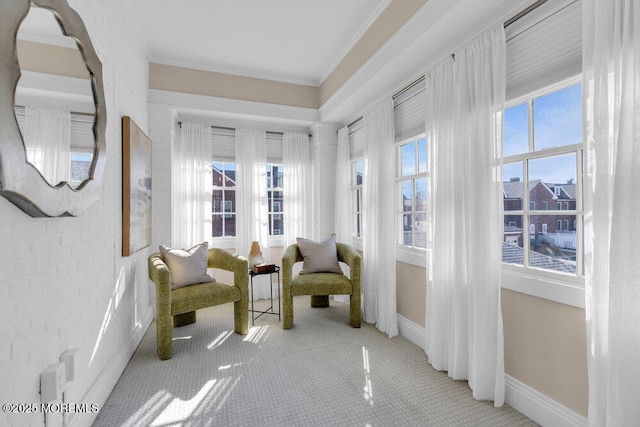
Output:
(514, 254)
(229, 174)
(513, 189)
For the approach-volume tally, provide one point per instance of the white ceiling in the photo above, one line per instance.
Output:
(297, 41)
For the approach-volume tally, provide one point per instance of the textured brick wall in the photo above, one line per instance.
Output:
(63, 282)
(163, 128)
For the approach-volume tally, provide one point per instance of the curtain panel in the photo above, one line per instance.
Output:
(252, 204)
(252, 220)
(296, 159)
(465, 98)
(47, 140)
(611, 97)
(191, 186)
(343, 211)
(379, 245)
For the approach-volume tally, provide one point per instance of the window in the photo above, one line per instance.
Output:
(547, 161)
(224, 199)
(412, 185)
(275, 189)
(227, 209)
(356, 196)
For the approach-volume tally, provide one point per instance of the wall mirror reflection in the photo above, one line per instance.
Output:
(51, 84)
(54, 103)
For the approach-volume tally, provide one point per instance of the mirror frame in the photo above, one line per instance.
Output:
(20, 181)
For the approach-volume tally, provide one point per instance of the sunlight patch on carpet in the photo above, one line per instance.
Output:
(258, 334)
(219, 340)
(368, 386)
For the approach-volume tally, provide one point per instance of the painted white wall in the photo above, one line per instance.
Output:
(63, 281)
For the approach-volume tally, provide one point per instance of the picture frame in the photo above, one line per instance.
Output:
(136, 188)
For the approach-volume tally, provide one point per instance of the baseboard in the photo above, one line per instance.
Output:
(411, 331)
(526, 400)
(106, 381)
(540, 408)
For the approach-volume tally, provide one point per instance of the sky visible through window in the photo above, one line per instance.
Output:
(557, 122)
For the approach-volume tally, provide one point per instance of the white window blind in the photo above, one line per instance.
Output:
(544, 47)
(274, 147)
(82, 139)
(82, 132)
(356, 139)
(410, 112)
(224, 144)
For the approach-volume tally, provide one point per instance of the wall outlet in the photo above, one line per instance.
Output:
(69, 360)
(52, 382)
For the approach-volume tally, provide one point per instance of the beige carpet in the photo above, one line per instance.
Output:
(322, 372)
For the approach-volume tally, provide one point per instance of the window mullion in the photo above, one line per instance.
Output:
(526, 231)
(579, 216)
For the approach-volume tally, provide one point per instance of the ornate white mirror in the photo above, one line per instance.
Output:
(52, 128)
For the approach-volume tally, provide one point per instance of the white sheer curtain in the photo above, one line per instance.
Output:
(296, 159)
(343, 220)
(611, 66)
(47, 139)
(379, 245)
(191, 186)
(252, 215)
(465, 99)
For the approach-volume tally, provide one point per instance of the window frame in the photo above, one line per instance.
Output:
(272, 214)
(553, 285)
(356, 193)
(224, 241)
(408, 253)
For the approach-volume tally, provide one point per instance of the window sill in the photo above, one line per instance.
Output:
(277, 240)
(223, 242)
(230, 242)
(413, 256)
(569, 290)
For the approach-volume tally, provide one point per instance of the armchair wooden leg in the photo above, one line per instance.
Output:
(184, 319)
(287, 311)
(319, 300)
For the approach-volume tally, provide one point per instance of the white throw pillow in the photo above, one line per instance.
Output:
(319, 257)
(187, 266)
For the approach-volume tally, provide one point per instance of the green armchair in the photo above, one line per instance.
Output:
(178, 307)
(321, 285)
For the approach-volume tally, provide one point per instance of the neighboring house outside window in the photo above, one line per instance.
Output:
(546, 160)
(275, 194)
(412, 187)
(224, 199)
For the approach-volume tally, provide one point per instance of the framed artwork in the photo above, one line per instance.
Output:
(136, 188)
